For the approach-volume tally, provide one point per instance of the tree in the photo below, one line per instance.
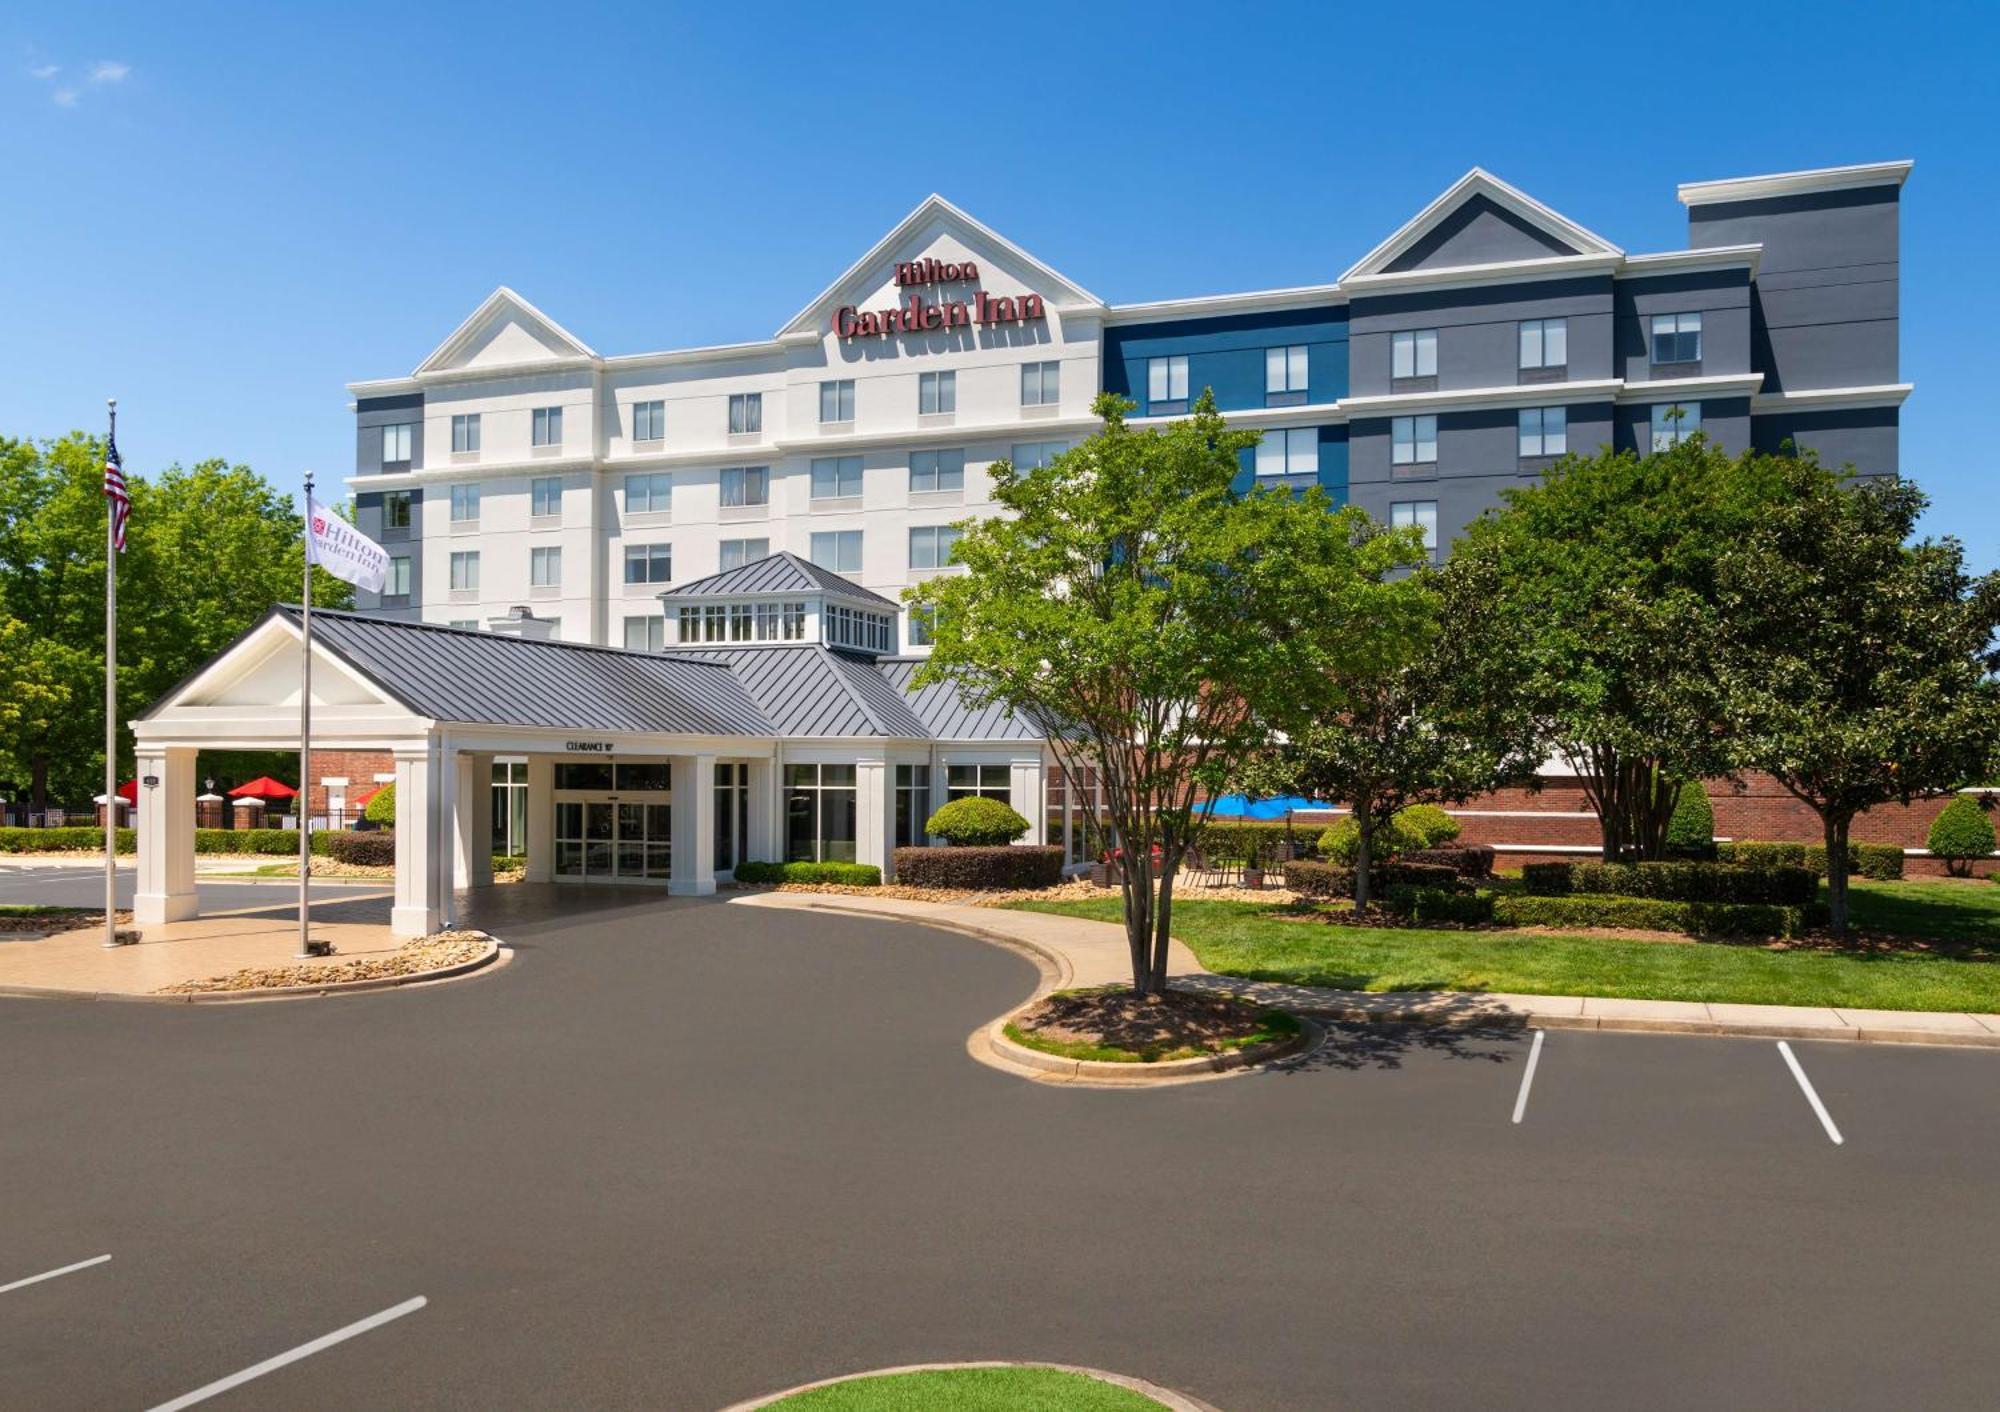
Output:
(208, 551)
(1692, 827)
(1145, 616)
(1598, 589)
(1402, 729)
(1861, 666)
(1960, 835)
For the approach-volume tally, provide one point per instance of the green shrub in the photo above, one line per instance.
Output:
(1325, 880)
(81, 839)
(1658, 914)
(1472, 860)
(1546, 879)
(1427, 824)
(1002, 866)
(1676, 882)
(1880, 861)
(382, 808)
(1342, 843)
(1310, 879)
(374, 849)
(849, 874)
(974, 822)
(1960, 833)
(1692, 827)
(1431, 904)
(1252, 840)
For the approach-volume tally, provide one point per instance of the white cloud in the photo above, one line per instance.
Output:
(45, 71)
(109, 71)
(65, 97)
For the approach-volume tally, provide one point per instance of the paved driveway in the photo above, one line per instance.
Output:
(669, 1159)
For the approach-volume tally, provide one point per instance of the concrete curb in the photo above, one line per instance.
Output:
(1126, 1074)
(497, 952)
(1166, 1397)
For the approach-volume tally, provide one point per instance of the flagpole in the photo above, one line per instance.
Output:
(305, 742)
(111, 699)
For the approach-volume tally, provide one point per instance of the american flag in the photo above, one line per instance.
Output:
(114, 491)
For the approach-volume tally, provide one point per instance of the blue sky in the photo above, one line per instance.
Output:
(222, 215)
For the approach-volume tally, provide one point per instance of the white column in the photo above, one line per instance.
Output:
(541, 818)
(166, 838)
(420, 875)
(764, 844)
(875, 814)
(694, 825)
(1028, 783)
(472, 832)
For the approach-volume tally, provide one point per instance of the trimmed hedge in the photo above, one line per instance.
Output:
(1331, 880)
(1960, 834)
(374, 849)
(1692, 827)
(1432, 904)
(1471, 860)
(1252, 839)
(1881, 861)
(975, 822)
(381, 809)
(851, 874)
(65, 840)
(1002, 866)
(1658, 914)
(1675, 882)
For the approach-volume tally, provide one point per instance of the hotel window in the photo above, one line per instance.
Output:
(1413, 440)
(850, 627)
(545, 568)
(649, 494)
(979, 782)
(1167, 384)
(1414, 354)
(396, 442)
(738, 552)
(1292, 451)
(546, 429)
(1033, 455)
(931, 546)
(746, 485)
(1421, 513)
(1674, 423)
(1285, 376)
(464, 624)
(545, 497)
(649, 563)
(396, 584)
(839, 550)
(1544, 343)
(746, 412)
(781, 622)
(396, 510)
(645, 634)
(465, 431)
(937, 470)
(1544, 431)
(740, 615)
(913, 804)
(1677, 338)
(836, 401)
(465, 571)
(1041, 384)
(820, 814)
(836, 477)
(464, 504)
(917, 627)
(649, 421)
(937, 392)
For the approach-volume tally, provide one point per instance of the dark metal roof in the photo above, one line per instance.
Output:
(945, 712)
(485, 678)
(811, 690)
(782, 572)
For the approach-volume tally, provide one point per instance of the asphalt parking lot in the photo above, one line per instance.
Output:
(679, 1153)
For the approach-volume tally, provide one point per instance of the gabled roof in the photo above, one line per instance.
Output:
(484, 678)
(782, 572)
(810, 690)
(933, 209)
(565, 344)
(1473, 185)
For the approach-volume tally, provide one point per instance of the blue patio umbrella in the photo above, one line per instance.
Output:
(1241, 806)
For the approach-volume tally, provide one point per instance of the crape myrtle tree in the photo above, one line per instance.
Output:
(1860, 666)
(1409, 727)
(1147, 618)
(1597, 588)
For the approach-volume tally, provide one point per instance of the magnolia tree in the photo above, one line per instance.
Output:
(1148, 619)
(1860, 666)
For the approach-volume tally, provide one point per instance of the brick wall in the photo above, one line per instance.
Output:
(358, 767)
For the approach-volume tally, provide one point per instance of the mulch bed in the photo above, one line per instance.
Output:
(61, 921)
(426, 953)
(1166, 1024)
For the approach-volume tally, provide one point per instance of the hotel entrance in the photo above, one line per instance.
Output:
(614, 821)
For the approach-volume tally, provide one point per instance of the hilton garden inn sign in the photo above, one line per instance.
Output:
(919, 315)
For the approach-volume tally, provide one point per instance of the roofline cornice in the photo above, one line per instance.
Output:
(1757, 188)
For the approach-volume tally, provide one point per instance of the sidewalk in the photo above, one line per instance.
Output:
(1079, 953)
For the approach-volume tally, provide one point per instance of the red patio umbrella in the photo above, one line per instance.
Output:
(129, 791)
(263, 787)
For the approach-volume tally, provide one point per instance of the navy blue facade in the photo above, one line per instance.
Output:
(1226, 354)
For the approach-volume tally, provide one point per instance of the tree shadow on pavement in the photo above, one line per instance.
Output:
(1383, 1046)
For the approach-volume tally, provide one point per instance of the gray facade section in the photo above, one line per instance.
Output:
(1864, 438)
(1725, 421)
(1721, 297)
(371, 519)
(371, 414)
(1479, 331)
(1479, 232)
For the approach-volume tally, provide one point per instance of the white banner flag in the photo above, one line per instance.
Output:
(342, 550)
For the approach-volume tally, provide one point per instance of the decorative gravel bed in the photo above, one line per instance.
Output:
(426, 953)
(1067, 892)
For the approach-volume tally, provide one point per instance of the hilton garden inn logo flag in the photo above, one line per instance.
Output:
(342, 550)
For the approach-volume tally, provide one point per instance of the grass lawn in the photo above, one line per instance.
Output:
(36, 909)
(971, 1390)
(1245, 939)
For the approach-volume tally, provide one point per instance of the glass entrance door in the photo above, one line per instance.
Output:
(616, 835)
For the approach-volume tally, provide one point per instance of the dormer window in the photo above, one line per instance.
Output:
(851, 627)
(743, 622)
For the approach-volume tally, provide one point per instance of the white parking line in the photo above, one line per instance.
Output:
(51, 1274)
(1825, 1119)
(1528, 1076)
(304, 1350)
